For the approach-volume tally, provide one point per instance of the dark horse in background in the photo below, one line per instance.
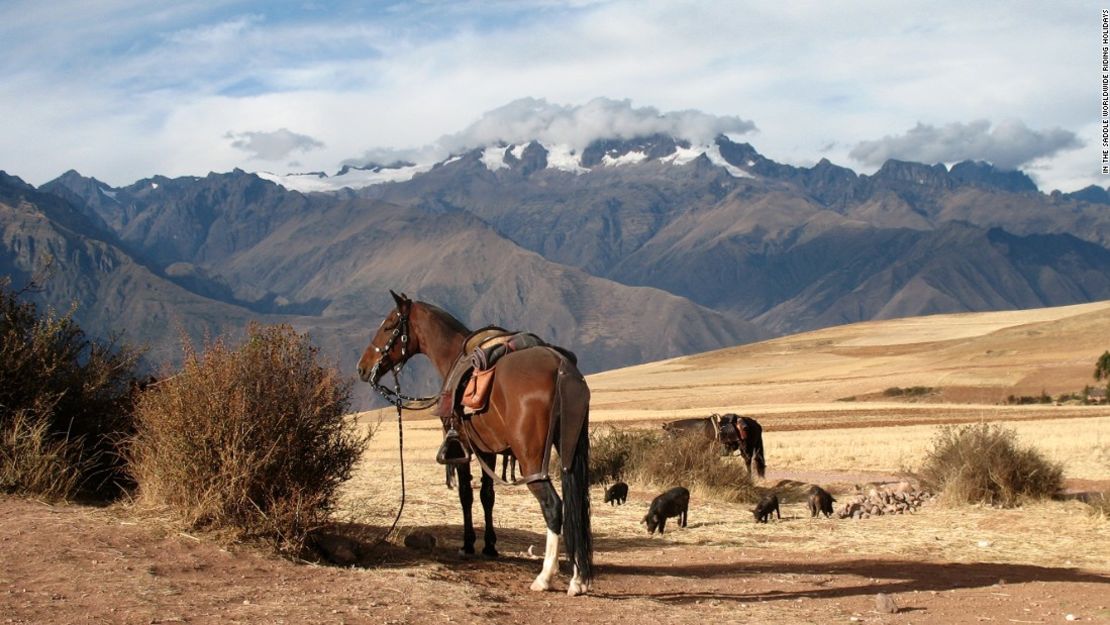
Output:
(538, 401)
(732, 431)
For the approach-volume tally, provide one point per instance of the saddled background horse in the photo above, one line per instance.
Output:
(538, 401)
(732, 431)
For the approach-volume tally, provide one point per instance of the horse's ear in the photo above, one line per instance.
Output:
(401, 300)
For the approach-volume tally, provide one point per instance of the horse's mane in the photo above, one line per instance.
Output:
(447, 317)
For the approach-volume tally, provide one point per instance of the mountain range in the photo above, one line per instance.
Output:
(627, 251)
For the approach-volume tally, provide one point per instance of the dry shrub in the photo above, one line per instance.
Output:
(1100, 504)
(615, 453)
(983, 463)
(655, 460)
(251, 439)
(32, 461)
(65, 404)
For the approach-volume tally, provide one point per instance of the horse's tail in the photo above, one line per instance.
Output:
(574, 451)
(759, 462)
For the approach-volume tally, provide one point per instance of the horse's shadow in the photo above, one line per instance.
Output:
(368, 546)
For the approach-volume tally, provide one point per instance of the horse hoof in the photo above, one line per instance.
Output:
(466, 553)
(576, 588)
(540, 585)
(490, 552)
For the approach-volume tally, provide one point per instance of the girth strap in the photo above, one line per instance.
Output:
(541, 475)
(473, 440)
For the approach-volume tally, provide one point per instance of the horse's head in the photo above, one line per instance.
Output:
(390, 345)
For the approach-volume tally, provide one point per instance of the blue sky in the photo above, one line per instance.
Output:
(125, 89)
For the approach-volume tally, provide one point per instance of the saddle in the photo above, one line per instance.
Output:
(467, 386)
(458, 377)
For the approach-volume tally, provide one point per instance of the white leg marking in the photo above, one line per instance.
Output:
(576, 587)
(550, 562)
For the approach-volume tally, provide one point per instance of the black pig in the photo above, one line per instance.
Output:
(762, 511)
(616, 494)
(820, 502)
(674, 502)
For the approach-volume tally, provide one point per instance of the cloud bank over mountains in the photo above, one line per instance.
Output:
(1007, 145)
(536, 119)
(122, 89)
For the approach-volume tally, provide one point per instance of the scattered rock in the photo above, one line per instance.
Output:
(896, 498)
(884, 603)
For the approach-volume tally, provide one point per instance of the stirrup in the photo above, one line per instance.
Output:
(452, 450)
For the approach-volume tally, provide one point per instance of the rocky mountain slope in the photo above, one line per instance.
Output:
(627, 251)
(325, 264)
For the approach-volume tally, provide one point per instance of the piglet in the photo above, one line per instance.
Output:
(762, 511)
(616, 494)
(674, 502)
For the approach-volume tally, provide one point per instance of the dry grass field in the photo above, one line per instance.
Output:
(972, 564)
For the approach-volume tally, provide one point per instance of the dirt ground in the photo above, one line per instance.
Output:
(1036, 564)
(76, 564)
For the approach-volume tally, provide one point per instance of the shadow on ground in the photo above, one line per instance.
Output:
(864, 578)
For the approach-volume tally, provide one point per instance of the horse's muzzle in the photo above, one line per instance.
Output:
(374, 372)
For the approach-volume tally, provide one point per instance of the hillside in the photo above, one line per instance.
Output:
(213, 253)
(970, 358)
(627, 251)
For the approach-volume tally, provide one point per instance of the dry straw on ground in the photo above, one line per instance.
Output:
(1049, 533)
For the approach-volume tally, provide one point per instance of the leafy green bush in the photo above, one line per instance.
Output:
(65, 404)
(983, 463)
(252, 439)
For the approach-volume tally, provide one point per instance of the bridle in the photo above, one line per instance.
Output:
(394, 395)
(399, 401)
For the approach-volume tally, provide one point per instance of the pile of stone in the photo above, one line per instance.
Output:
(880, 499)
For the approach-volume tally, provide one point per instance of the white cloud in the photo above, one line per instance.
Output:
(1007, 145)
(272, 146)
(530, 118)
(576, 126)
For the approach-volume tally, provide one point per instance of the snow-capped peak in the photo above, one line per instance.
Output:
(348, 177)
(527, 158)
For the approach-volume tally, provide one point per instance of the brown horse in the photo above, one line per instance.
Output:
(733, 432)
(539, 401)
